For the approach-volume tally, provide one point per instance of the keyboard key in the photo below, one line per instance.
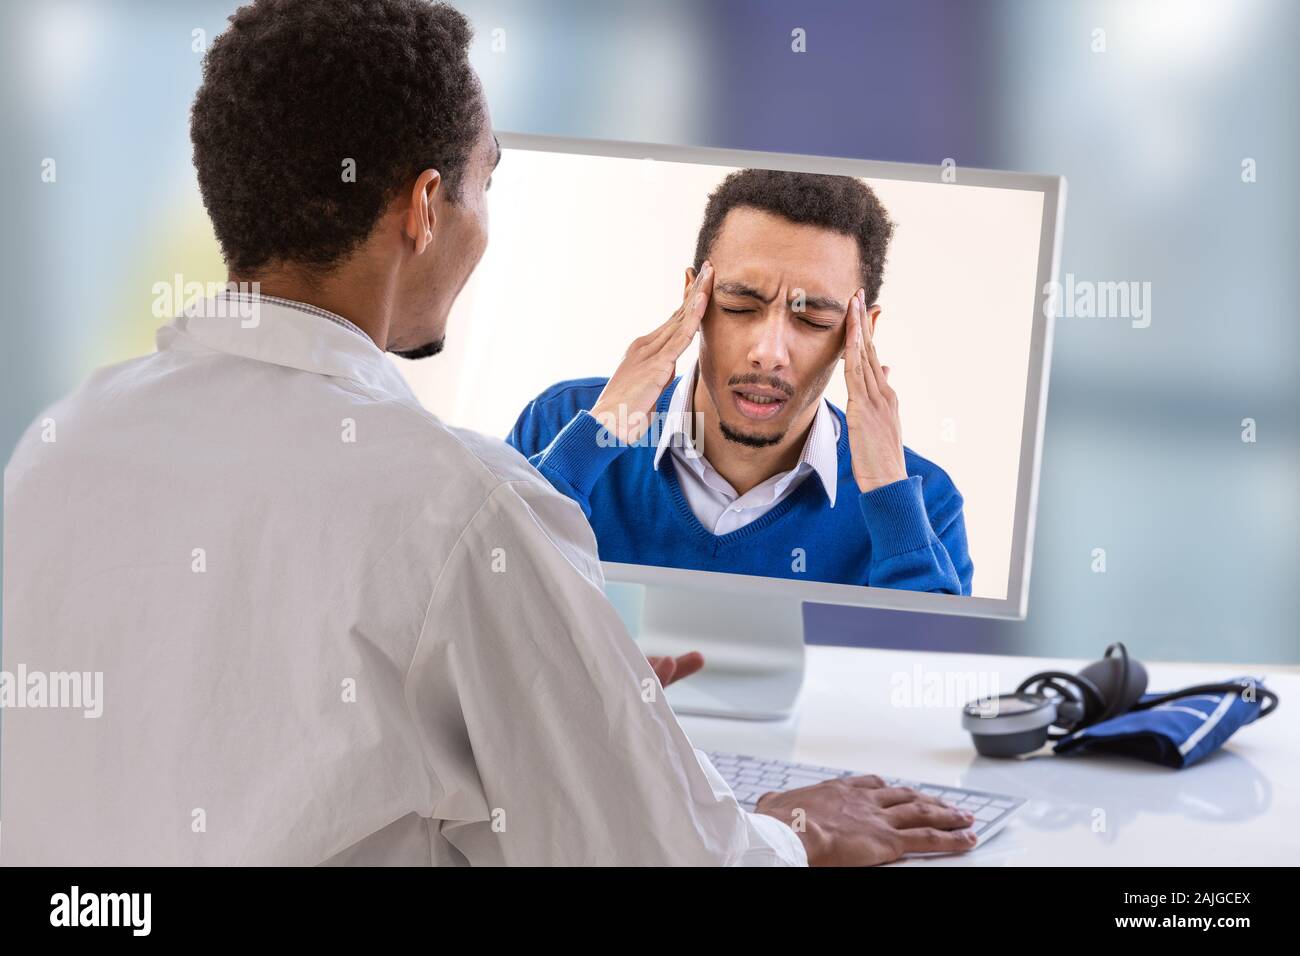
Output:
(987, 813)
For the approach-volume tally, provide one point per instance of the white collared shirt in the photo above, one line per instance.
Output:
(329, 628)
(714, 502)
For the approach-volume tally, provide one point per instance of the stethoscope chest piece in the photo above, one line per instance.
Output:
(1009, 725)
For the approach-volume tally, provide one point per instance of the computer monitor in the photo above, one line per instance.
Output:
(589, 249)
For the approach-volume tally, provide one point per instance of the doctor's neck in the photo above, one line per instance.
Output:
(360, 289)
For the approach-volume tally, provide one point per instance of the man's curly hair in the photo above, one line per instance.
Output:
(841, 204)
(294, 88)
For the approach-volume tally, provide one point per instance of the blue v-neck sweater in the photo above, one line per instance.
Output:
(909, 534)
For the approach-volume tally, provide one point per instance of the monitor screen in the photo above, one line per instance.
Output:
(591, 250)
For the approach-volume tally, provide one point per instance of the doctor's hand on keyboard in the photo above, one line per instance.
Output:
(862, 821)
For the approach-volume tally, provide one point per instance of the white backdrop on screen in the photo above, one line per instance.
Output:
(588, 252)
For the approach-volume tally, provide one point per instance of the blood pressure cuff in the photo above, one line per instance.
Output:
(1177, 733)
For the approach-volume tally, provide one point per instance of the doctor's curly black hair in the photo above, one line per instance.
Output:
(295, 89)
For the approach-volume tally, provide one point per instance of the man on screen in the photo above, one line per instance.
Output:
(740, 464)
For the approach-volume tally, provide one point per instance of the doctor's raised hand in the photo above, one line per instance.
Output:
(875, 431)
(625, 404)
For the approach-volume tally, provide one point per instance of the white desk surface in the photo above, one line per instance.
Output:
(1239, 806)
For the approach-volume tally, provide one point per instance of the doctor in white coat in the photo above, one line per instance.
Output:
(327, 627)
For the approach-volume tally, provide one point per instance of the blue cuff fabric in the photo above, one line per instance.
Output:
(581, 452)
(896, 518)
(1177, 734)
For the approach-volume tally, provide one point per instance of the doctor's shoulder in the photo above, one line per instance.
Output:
(446, 464)
(502, 471)
(38, 443)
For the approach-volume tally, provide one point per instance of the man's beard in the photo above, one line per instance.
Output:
(421, 351)
(742, 438)
(750, 441)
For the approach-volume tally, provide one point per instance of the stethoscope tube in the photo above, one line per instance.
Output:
(1266, 695)
(1089, 695)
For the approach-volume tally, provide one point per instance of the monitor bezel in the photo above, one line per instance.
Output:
(1015, 605)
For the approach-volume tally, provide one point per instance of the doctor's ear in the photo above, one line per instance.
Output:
(420, 214)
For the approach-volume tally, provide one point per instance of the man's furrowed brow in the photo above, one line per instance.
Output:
(742, 290)
(822, 303)
(497, 161)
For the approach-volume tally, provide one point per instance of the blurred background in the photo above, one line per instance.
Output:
(1150, 109)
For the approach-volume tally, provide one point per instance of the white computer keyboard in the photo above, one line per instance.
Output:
(751, 777)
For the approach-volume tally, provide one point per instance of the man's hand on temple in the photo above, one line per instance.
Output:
(625, 404)
(875, 431)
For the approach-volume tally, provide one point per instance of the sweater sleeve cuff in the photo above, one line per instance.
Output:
(581, 452)
(896, 518)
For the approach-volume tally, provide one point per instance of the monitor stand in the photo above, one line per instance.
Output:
(752, 645)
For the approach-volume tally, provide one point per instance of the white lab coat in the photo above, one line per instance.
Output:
(330, 628)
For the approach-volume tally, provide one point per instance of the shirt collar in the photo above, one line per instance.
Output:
(672, 431)
(820, 450)
(279, 331)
